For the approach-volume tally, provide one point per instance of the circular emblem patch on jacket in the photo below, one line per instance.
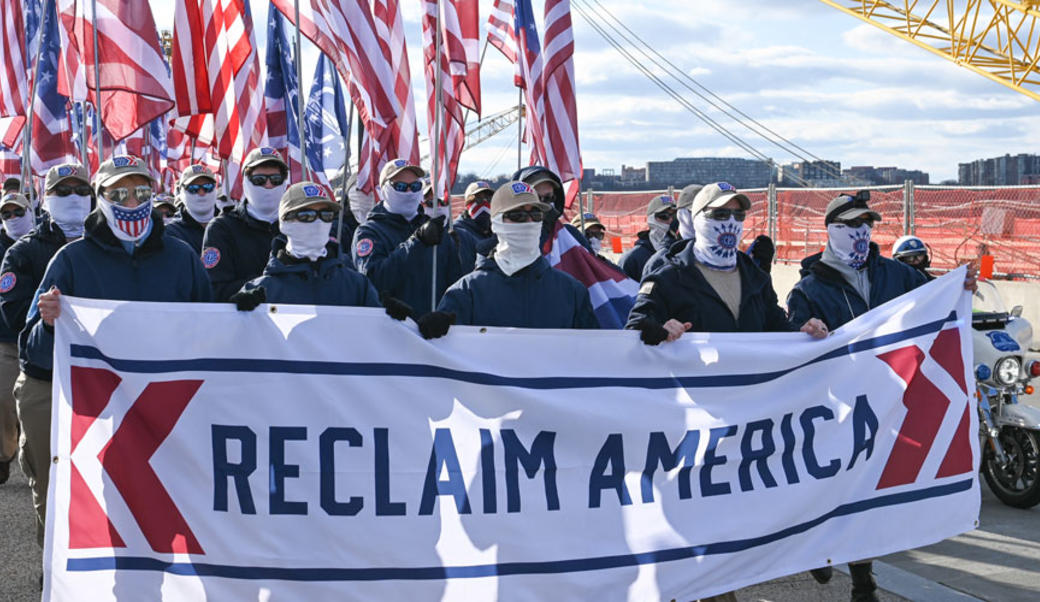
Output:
(210, 257)
(364, 247)
(7, 281)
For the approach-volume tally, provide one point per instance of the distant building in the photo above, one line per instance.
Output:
(867, 175)
(742, 173)
(821, 174)
(1009, 170)
(633, 175)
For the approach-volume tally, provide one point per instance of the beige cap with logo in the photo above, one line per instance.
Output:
(716, 195)
(305, 194)
(118, 167)
(261, 155)
(67, 171)
(392, 168)
(511, 195)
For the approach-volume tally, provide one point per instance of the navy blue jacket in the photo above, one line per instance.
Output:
(535, 297)
(346, 233)
(331, 280)
(679, 290)
(26, 260)
(187, 228)
(468, 236)
(7, 334)
(399, 264)
(825, 294)
(634, 260)
(235, 249)
(98, 267)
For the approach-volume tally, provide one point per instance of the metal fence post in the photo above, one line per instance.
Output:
(588, 201)
(771, 196)
(913, 207)
(907, 217)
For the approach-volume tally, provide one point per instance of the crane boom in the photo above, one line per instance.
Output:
(998, 39)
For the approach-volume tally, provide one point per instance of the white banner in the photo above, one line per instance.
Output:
(317, 453)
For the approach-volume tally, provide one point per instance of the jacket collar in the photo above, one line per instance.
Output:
(536, 268)
(821, 270)
(240, 212)
(752, 278)
(281, 262)
(185, 216)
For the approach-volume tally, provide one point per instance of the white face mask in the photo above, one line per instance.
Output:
(438, 211)
(360, 203)
(717, 242)
(263, 202)
(658, 232)
(851, 245)
(596, 244)
(17, 227)
(68, 212)
(686, 231)
(405, 204)
(129, 225)
(200, 206)
(225, 204)
(517, 244)
(306, 241)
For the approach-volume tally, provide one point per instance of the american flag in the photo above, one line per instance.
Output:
(612, 293)
(51, 127)
(531, 77)
(14, 79)
(148, 143)
(325, 124)
(282, 95)
(460, 81)
(230, 91)
(135, 85)
(10, 162)
(500, 31)
(346, 32)
(11, 131)
(560, 115)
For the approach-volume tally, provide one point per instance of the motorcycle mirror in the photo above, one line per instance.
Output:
(1016, 311)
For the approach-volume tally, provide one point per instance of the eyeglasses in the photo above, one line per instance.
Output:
(440, 202)
(415, 186)
(307, 216)
(18, 212)
(120, 196)
(856, 222)
(207, 187)
(724, 214)
(259, 179)
(520, 216)
(547, 199)
(81, 190)
(481, 198)
(665, 216)
(914, 259)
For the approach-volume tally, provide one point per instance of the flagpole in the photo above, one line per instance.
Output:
(83, 140)
(345, 205)
(27, 128)
(299, 105)
(98, 130)
(520, 124)
(435, 159)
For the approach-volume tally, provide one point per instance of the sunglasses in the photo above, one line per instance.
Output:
(440, 202)
(519, 216)
(547, 199)
(724, 214)
(120, 196)
(276, 179)
(81, 190)
(19, 212)
(856, 222)
(207, 187)
(415, 186)
(307, 216)
(665, 216)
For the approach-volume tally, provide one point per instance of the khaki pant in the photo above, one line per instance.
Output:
(33, 397)
(8, 412)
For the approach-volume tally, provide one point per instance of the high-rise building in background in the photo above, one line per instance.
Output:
(1009, 170)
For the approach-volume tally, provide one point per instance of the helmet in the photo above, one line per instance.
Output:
(908, 245)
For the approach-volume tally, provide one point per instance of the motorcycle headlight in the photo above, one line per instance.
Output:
(1008, 370)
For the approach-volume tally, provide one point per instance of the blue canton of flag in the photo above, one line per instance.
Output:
(51, 142)
(525, 21)
(326, 122)
(32, 12)
(281, 94)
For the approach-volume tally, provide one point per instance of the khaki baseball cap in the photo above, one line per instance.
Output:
(848, 207)
(264, 154)
(67, 171)
(660, 203)
(15, 198)
(687, 195)
(511, 195)
(118, 167)
(589, 219)
(305, 194)
(195, 172)
(717, 195)
(475, 187)
(164, 199)
(392, 168)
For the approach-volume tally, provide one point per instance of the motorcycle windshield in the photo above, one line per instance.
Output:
(987, 299)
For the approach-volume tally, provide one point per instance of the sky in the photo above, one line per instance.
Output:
(837, 87)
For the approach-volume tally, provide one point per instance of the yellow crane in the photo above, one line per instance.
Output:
(998, 39)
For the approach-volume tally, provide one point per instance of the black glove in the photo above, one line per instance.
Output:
(651, 332)
(250, 299)
(435, 324)
(431, 233)
(762, 251)
(395, 308)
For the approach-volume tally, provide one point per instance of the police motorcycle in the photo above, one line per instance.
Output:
(1009, 431)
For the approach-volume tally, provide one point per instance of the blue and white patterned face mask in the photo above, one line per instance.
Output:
(129, 225)
(717, 242)
(851, 245)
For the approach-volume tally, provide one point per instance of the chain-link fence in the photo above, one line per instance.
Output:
(957, 223)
